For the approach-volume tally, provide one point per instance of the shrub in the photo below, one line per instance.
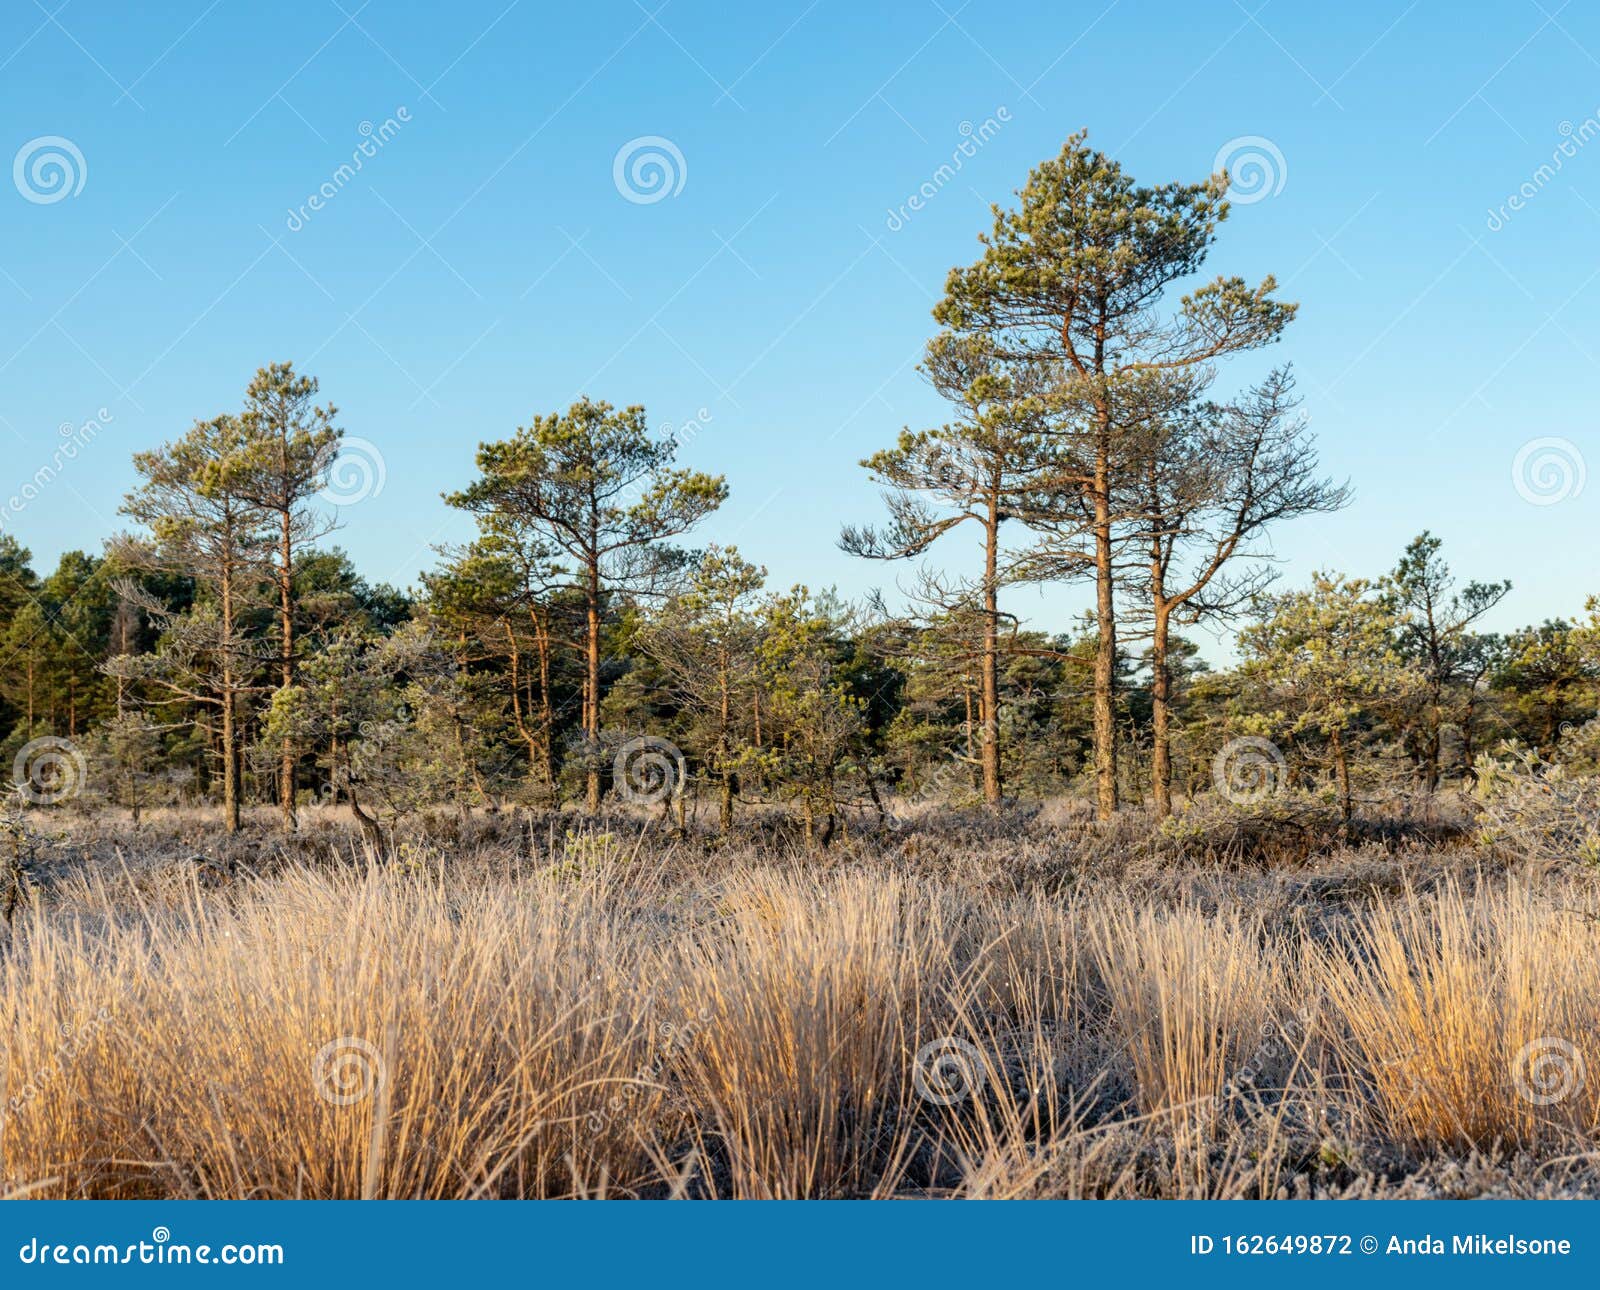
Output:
(1536, 811)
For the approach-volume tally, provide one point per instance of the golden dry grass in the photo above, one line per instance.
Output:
(1474, 1017)
(614, 1025)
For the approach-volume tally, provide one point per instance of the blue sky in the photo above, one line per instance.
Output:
(484, 264)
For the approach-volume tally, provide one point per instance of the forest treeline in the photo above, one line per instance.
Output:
(224, 650)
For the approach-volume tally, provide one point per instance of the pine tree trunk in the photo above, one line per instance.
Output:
(371, 831)
(1469, 752)
(724, 752)
(230, 734)
(991, 662)
(1342, 764)
(974, 769)
(1161, 716)
(547, 717)
(1105, 659)
(1431, 748)
(519, 716)
(286, 664)
(230, 764)
(591, 726)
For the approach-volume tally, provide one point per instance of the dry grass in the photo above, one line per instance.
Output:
(1474, 1017)
(592, 1015)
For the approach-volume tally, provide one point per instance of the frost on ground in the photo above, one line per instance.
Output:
(525, 1005)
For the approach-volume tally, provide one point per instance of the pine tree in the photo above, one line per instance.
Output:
(705, 641)
(1205, 485)
(604, 493)
(1073, 278)
(290, 442)
(1328, 660)
(1438, 641)
(200, 523)
(982, 469)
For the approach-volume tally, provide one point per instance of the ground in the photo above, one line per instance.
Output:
(951, 1004)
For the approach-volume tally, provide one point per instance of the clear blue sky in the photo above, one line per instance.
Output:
(484, 266)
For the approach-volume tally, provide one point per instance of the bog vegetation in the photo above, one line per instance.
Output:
(598, 865)
(1023, 1005)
